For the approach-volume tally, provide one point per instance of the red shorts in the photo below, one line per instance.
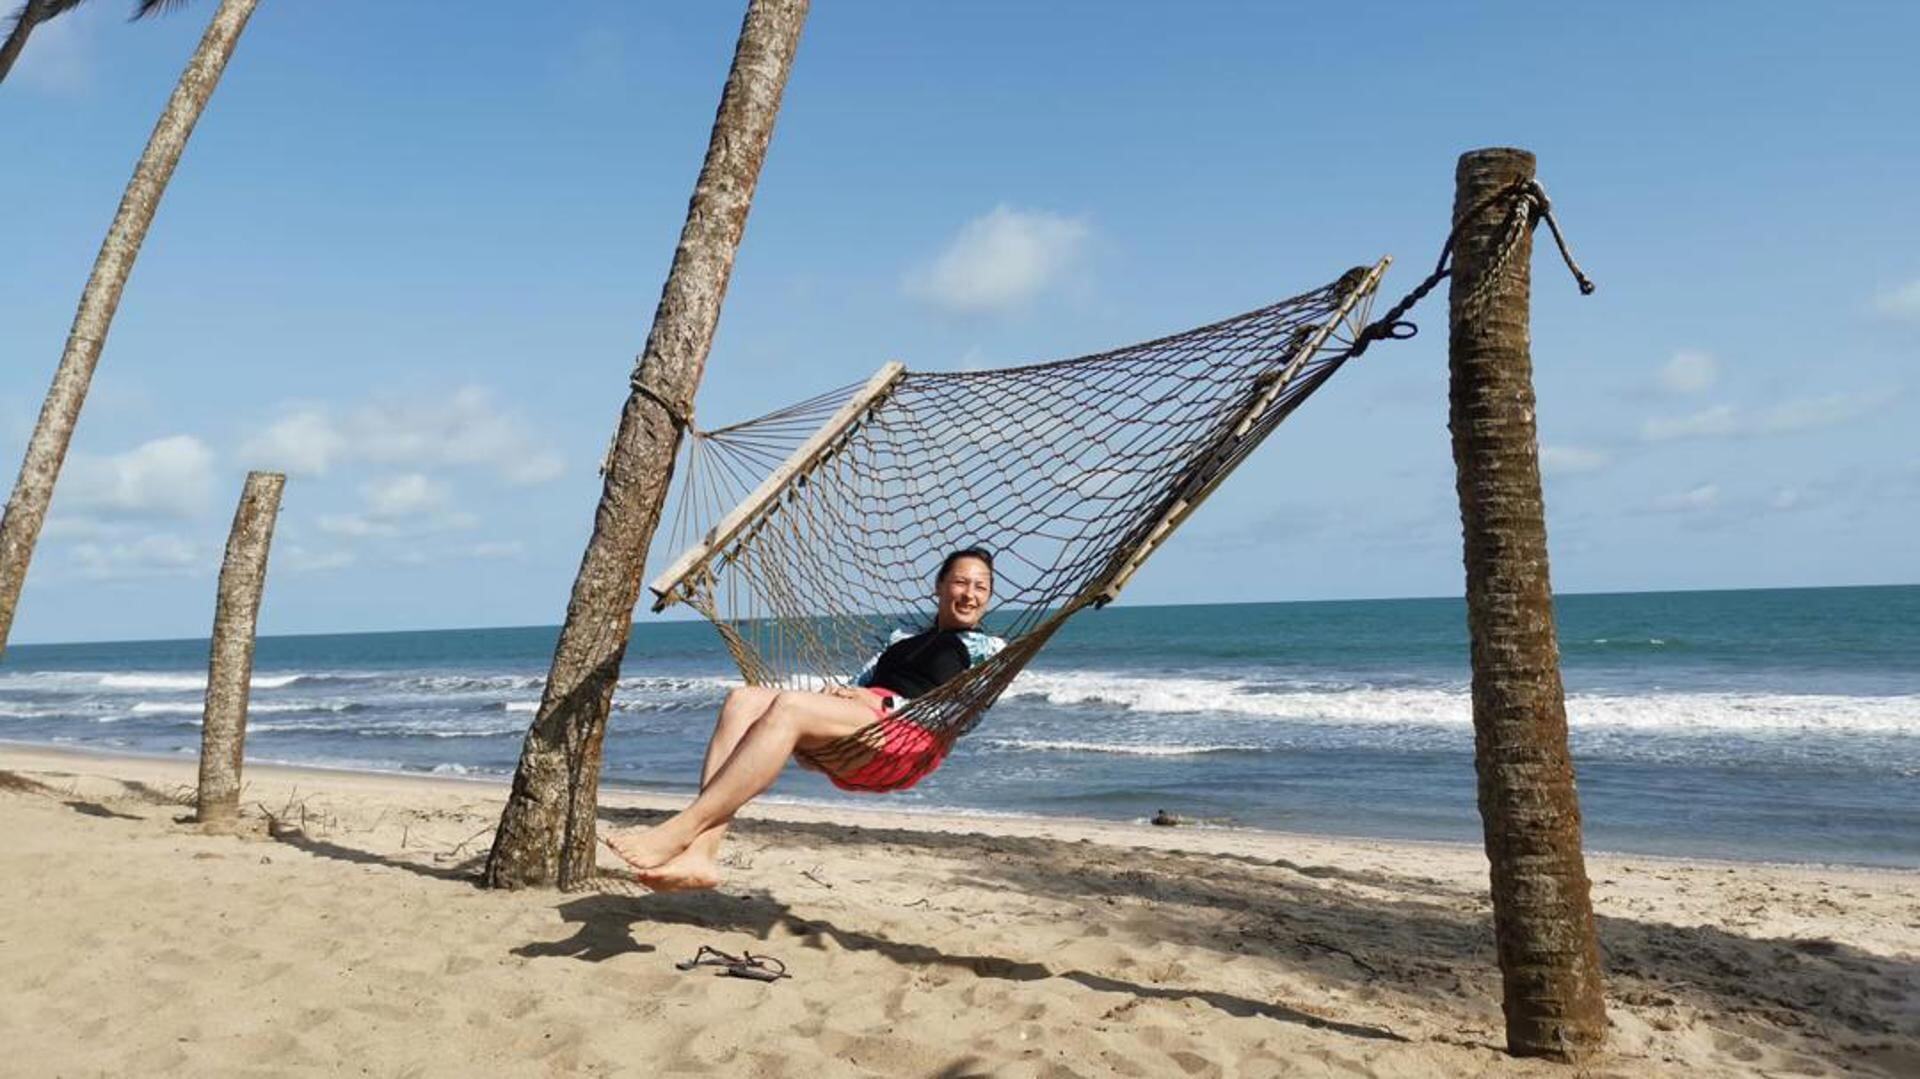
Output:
(906, 753)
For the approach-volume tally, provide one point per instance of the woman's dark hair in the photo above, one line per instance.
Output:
(980, 553)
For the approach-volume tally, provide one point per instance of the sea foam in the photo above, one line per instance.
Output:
(160, 681)
(1651, 712)
(1040, 745)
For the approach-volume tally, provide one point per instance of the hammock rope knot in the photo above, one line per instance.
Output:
(1529, 206)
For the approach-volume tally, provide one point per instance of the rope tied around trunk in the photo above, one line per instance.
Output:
(1529, 206)
(678, 410)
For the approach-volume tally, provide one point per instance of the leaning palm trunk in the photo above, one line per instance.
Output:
(1543, 917)
(546, 833)
(30, 16)
(27, 508)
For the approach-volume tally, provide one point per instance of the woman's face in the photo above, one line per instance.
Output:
(963, 593)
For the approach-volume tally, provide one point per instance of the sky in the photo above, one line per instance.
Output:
(412, 251)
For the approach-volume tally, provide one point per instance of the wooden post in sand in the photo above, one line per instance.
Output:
(243, 575)
(1530, 812)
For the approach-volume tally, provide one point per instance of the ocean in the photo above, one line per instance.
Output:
(1776, 724)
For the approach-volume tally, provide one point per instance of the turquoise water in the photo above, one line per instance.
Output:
(1770, 724)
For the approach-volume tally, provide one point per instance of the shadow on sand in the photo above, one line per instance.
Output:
(604, 929)
(1397, 934)
(465, 872)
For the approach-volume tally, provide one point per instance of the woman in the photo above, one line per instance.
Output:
(759, 728)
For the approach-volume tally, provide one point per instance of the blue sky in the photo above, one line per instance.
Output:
(412, 250)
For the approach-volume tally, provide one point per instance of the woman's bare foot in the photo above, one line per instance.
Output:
(646, 849)
(690, 872)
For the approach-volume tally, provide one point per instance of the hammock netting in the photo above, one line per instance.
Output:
(1071, 473)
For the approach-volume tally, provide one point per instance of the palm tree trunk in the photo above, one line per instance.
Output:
(546, 833)
(47, 450)
(1543, 917)
(236, 616)
(30, 16)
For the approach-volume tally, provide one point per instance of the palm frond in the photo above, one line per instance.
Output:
(48, 10)
(144, 8)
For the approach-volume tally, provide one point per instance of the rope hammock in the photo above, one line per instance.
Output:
(1072, 473)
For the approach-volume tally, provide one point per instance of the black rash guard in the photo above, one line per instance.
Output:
(921, 662)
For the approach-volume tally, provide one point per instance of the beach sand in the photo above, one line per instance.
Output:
(349, 937)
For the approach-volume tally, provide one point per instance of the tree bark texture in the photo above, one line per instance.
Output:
(1530, 812)
(243, 576)
(47, 449)
(546, 833)
(31, 15)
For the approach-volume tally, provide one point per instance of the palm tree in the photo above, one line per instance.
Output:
(1530, 813)
(34, 12)
(546, 833)
(47, 450)
(30, 15)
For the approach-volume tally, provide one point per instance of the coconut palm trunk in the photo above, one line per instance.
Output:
(30, 16)
(546, 833)
(47, 450)
(1543, 917)
(236, 618)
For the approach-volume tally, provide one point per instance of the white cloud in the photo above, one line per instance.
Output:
(1900, 302)
(1788, 417)
(165, 477)
(535, 468)
(1787, 498)
(1689, 372)
(397, 497)
(1809, 413)
(367, 525)
(410, 504)
(301, 443)
(464, 429)
(1000, 261)
(1569, 460)
(301, 559)
(354, 524)
(1699, 499)
(1716, 422)
(496, 549)
(155, 555)
(66, 526)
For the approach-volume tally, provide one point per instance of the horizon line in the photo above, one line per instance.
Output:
(637, 623)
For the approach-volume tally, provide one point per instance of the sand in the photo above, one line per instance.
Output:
(349, 938)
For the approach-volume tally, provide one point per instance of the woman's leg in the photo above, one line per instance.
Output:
(743, 709)
(794, 720)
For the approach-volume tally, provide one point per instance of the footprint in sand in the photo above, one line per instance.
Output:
(460, 964)
(1738, 1048)
(1193, 1063)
